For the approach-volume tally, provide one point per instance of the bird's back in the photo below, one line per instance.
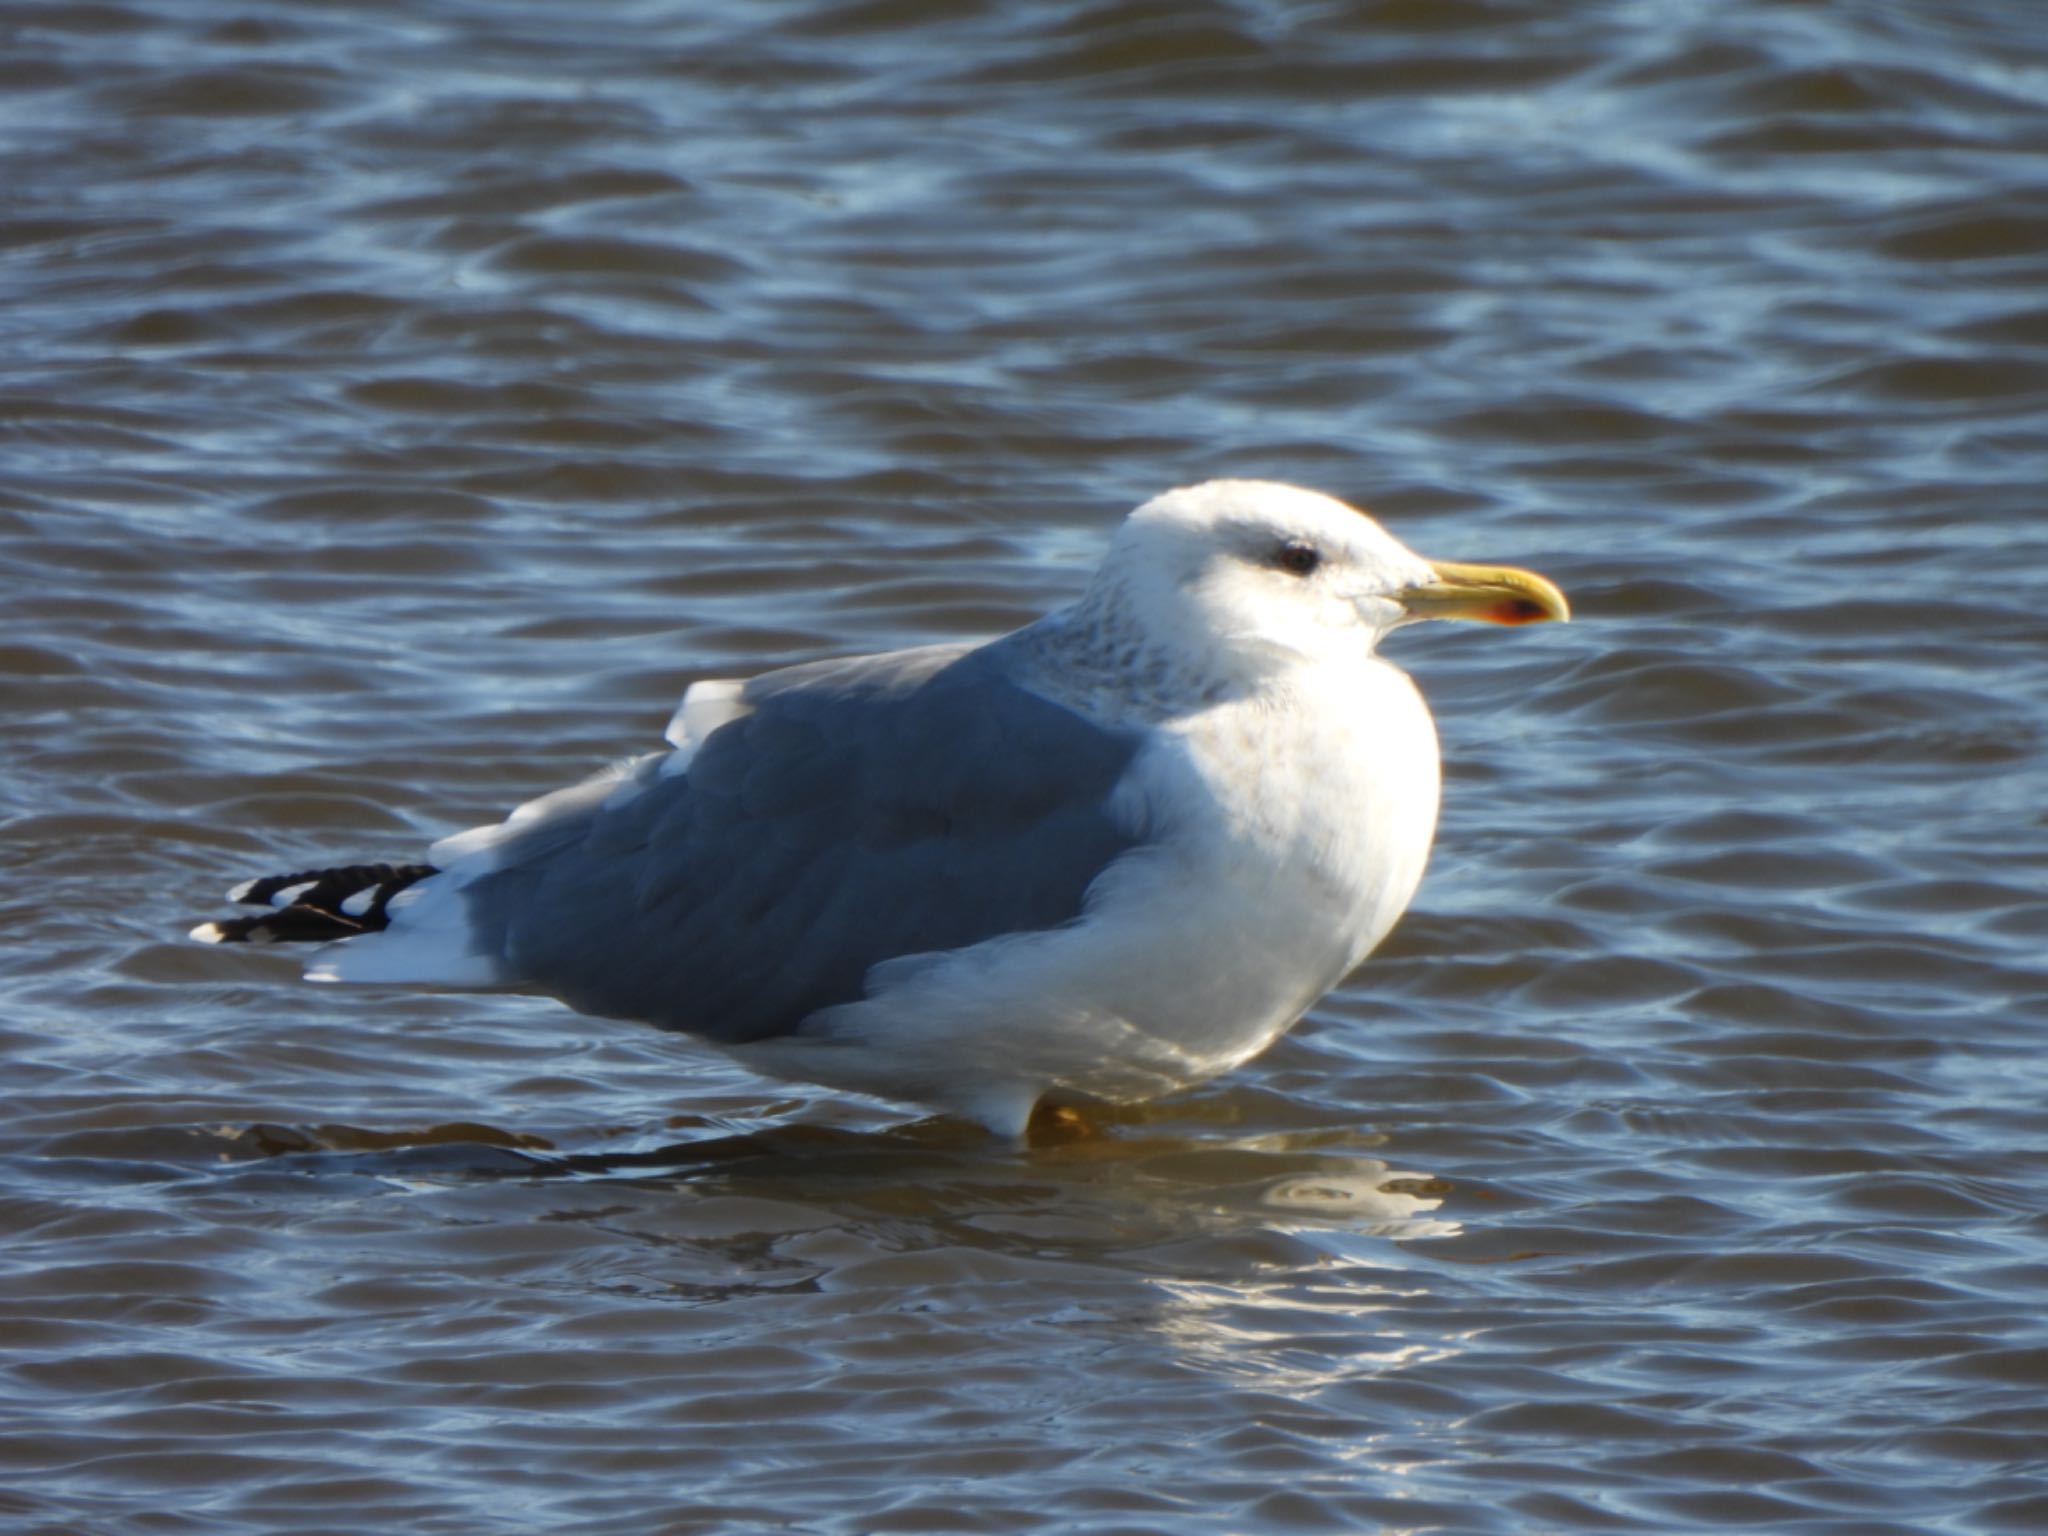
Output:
(851, 812)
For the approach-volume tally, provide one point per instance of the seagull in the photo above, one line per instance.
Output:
(1107, 856)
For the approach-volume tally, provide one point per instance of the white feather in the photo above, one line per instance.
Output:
(705, 707)
(431, 942)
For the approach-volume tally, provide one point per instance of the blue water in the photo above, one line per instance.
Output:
(400, 405)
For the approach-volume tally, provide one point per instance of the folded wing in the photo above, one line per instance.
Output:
(838, 815)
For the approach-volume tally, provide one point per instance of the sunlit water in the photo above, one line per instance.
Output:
(399, 404)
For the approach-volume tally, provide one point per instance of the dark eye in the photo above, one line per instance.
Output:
(1297, 558)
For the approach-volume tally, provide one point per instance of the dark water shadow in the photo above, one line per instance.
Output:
(466, 1149)
(1153, 1176)
(944, 1171)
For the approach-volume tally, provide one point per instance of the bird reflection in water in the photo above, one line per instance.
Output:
(1169, 1184)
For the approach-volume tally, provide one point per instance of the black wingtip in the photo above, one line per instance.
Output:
(314, 906)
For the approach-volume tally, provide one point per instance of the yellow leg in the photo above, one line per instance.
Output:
(1057, 1125)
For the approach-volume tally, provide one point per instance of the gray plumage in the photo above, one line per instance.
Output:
(858, 811)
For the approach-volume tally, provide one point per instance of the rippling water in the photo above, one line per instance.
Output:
(400, 403)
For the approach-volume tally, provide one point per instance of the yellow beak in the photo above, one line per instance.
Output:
(1499, 594)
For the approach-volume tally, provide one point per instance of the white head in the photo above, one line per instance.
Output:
(1251, 574)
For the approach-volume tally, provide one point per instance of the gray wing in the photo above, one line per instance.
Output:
(860, 810)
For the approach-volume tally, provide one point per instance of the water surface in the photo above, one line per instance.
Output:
(400, 404)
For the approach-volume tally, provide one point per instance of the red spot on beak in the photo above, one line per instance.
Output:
(1516, 610)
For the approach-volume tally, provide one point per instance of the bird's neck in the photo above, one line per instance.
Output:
(1098, 659)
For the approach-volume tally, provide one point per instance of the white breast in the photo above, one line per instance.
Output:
(1324, 807)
